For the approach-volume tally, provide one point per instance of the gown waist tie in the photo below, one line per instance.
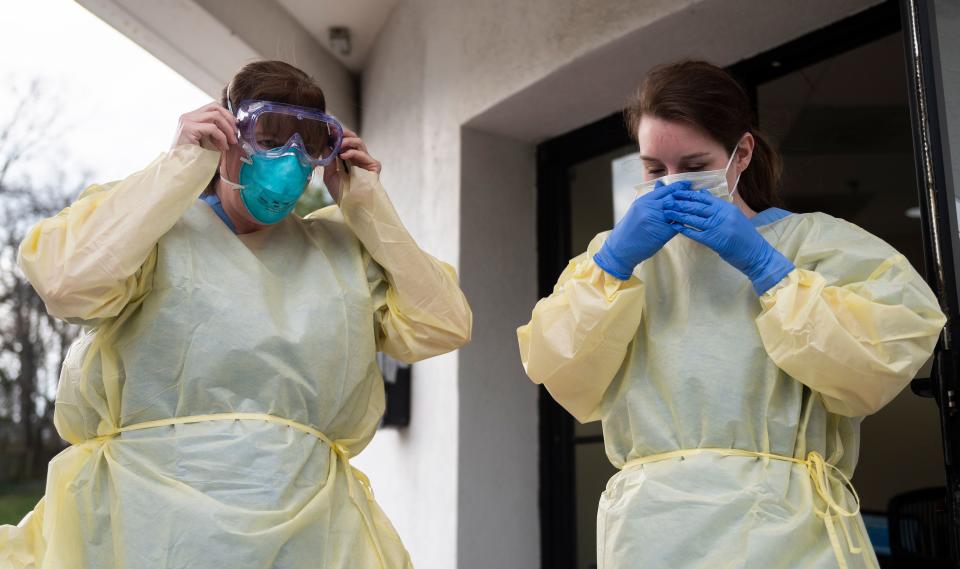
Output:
(823, 478)
(355, 478)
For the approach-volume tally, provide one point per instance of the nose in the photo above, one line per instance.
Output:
(296, 141)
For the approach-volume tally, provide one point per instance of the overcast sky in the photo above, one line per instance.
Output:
(118, 104)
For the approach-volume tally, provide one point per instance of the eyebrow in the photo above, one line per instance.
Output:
(687, 157)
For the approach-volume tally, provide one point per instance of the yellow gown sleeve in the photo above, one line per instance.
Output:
(421, 310)
(92, 258)
(577, 337)
(855, 324)
(23, 545)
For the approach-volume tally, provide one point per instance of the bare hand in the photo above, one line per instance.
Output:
(211, 126)
(355, 153)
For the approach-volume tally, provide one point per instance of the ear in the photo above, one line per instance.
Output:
(223, 163)
(229, 162)
(745, 152)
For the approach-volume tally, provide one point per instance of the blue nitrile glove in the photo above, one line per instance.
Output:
(640, 234)
(721, 226)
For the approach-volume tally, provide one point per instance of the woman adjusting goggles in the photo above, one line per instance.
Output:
(283, 144)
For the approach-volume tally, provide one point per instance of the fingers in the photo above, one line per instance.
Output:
(215, 106)
(681, 185)
(694, 234)
(659, 193)
(211, 106)
(690, 220)
(358, 157)
(695, 208)
(662, 191)
(347, 133)
(227, 123)
(352, 143)
(352, 140)
(213, 133)
(210, 125)
(701, 196)
(226, 114)
(361, 159)
(231, 120)
(353, 149)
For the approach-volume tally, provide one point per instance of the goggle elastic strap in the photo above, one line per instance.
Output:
(229, 101)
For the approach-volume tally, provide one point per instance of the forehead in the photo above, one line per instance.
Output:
(665, 140)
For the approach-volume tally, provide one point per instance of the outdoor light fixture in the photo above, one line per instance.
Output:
(912, 213)
(340, 40)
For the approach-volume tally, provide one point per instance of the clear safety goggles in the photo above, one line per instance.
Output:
(277, 128)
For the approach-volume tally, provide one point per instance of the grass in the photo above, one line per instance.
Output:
(18, 499)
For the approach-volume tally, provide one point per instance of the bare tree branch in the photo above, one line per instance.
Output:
(33, 345)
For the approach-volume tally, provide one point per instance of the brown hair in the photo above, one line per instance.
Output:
(274, 81)
(706, 97)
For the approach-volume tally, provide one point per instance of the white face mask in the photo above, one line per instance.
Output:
(713, 181)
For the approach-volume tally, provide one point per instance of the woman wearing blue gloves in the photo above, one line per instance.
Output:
(730, 348)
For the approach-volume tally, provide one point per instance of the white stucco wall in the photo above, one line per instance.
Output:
(948, 40)
(498, 476)
(207, 41)
(274, 34)
(413, 472)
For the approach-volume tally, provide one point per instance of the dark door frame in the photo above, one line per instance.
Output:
(555, 157)
(939, 221)
(558, 522)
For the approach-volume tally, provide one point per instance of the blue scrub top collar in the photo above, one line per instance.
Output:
(768, 216)
(217, 208)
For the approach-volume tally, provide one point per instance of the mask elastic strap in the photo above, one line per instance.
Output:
(234, 185)
(729, 162)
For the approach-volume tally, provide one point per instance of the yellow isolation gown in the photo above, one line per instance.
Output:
(223, 381)
(735, 419)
